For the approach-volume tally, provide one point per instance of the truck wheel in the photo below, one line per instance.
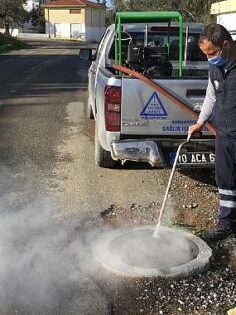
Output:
(102, 157)
(89, 110)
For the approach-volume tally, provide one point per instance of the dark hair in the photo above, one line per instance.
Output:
(215, 33)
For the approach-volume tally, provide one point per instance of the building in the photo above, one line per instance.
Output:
(80, 19)
(31, 4)
(226, 15)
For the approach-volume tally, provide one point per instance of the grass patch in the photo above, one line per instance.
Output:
(8, 43)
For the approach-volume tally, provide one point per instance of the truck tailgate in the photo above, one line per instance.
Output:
(147, 112)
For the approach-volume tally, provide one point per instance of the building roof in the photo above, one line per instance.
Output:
(72, 3)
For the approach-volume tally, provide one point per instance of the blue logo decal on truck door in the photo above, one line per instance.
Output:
(154, 109)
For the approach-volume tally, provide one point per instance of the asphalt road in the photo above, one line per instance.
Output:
(41, 257)
(50, 188)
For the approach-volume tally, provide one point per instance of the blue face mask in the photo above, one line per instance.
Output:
(217, 61)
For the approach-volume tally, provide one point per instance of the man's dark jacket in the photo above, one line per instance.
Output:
(224, 111)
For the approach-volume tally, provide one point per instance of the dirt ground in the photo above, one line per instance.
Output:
(194, 199)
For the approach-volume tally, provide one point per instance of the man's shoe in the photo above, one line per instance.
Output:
(216, 235)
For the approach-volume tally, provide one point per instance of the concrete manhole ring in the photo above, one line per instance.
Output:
(135, 253)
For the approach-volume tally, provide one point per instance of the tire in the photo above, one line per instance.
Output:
(89, 110)
(102, 157)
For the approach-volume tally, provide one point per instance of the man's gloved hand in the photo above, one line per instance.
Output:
(193, 129)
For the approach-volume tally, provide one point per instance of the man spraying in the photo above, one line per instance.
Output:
(220, 105)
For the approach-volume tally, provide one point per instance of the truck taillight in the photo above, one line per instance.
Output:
(112, 108)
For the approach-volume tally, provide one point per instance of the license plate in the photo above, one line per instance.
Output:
(193, 158)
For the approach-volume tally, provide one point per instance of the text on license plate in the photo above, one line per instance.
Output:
(193, 158)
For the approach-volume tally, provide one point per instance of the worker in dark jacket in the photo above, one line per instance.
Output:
(220, 105)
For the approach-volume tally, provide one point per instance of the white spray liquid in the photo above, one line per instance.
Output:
(156, 232)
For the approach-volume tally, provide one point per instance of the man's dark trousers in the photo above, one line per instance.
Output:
(226, 180)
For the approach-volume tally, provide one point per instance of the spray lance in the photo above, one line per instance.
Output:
(157, 229)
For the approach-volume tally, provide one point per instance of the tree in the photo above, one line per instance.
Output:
(37, 19)
(194, 11)
(109, 17)
(103, 2)
(121, 5)
(197, 11)
(12, 12)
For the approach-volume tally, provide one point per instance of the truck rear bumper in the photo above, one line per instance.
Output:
(161, 153)
(139, 151)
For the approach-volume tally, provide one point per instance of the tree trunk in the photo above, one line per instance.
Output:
(7, 28)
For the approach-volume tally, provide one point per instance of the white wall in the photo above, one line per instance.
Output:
(63, 30)
(49, 29)
(228, 21)
(13, 32)
(59, 30)
(77, 31)
(94, 34)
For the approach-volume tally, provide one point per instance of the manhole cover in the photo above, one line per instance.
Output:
(136, 253)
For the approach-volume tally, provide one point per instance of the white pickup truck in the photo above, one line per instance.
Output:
(132, 121)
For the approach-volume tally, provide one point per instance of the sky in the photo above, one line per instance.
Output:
(108, 2)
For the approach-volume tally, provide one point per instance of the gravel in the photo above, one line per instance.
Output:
(193, 205)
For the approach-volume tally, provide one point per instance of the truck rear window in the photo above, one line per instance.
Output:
(161, 39)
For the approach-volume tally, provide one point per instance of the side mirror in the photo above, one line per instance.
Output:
(85, 54)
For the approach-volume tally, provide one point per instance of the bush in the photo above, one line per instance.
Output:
(8, 43)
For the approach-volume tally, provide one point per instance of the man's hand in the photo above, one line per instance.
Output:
(194, 128)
